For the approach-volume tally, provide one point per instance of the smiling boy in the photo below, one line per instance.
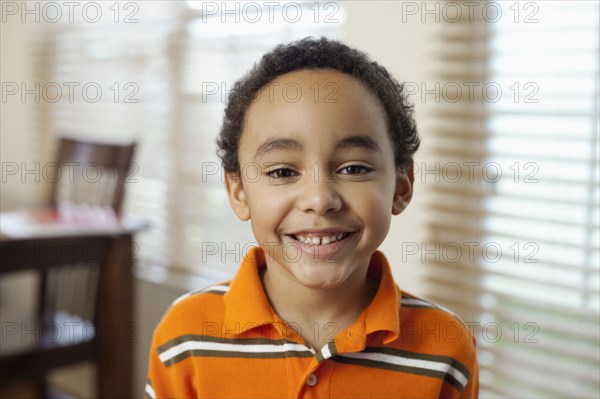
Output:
(317, 146)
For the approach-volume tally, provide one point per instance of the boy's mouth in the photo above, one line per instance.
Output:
(320, 238)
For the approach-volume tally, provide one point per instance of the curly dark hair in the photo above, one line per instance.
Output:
(321, 53)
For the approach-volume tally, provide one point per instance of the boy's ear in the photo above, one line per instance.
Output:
(237, 196)
(404, 190)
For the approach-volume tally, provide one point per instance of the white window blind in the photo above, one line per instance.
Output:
(515, 209)
(172, 63)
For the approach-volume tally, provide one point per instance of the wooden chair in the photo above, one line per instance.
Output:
(92, 177)
(98, 174)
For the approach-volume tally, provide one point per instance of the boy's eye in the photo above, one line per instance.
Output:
(355, 170)
(282, 173)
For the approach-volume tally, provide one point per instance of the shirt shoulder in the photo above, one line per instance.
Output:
(436, 335)
(430, 324)
(413, 302)
(218, 289)
(194, 312)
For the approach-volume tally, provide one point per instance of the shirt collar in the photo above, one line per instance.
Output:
(383, 313)
(247, 306)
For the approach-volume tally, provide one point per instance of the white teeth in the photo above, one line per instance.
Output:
(313, 240)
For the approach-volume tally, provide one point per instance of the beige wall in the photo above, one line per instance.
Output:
(15, 147)
(16, 118)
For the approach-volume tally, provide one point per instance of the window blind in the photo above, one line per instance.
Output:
(514, 221)
(164, 69)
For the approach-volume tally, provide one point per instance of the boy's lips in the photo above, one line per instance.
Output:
(320, 236)
(321, 242)
(321, 232)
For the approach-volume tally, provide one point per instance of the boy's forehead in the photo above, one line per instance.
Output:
(321, 108)
(318, 92)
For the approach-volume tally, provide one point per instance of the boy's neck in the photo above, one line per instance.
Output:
(305, 306)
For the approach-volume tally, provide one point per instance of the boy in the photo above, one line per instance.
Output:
(317, 146)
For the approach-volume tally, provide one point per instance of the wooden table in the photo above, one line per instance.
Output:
(114, 250)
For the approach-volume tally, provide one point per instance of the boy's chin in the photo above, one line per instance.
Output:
(319, 279)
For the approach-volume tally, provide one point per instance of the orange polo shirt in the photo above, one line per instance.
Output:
(226, 341)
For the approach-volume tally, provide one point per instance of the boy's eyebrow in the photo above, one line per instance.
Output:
(277, 144)
(294, 145)
(359, 141)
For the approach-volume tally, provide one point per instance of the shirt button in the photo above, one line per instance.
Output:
(312, 380)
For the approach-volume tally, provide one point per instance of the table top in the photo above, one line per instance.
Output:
(45, 224)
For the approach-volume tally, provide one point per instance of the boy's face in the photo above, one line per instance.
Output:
(318, 182)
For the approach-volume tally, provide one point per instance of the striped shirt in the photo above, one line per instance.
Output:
(226, 341)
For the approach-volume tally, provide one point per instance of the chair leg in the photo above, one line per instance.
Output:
(41, 386)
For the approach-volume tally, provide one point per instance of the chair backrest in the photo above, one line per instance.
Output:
(91, 173)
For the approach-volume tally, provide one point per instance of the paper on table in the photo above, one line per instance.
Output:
(65, 221)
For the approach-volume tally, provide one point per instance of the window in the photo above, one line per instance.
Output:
(516, 209)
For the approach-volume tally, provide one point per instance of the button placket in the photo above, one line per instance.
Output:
(312, 380)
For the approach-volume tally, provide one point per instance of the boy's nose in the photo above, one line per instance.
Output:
(319, 196)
